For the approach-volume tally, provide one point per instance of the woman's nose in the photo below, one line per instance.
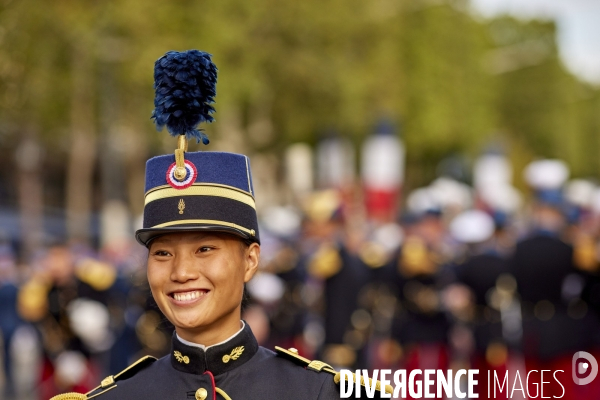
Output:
(184, 269)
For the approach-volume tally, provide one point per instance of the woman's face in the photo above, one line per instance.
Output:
(197, 280)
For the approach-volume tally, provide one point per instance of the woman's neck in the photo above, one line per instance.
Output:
(216, 333)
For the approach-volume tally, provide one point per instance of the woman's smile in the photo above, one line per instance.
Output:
(187, 297)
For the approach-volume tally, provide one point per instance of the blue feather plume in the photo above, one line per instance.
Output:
(185, 87)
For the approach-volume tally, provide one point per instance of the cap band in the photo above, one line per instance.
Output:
(164, 192)
(200, 210)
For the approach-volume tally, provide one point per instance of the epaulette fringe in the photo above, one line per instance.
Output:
(319, 366)
(108, 383)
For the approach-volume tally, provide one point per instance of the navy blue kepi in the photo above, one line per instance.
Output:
(215, 194)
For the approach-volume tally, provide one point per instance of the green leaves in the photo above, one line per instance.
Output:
(452, 80)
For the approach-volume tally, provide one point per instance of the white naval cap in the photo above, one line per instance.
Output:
(546, 174)
(452, 193)
(422, 200)
(492, 169)
(580, 192)
(472, 226)
(441, 194)
(266, 287)
(503, 197)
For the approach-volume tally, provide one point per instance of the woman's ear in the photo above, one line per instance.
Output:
(252, 256)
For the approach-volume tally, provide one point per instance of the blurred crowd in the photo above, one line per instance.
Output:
(478, 276)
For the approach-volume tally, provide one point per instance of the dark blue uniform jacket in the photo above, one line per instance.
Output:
(238, 369)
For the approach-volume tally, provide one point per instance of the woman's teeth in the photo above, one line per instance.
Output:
(188, 296)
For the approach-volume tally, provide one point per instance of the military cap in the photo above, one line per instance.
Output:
(190, 191)
(472, 226)
(215, 194)
(547, 178)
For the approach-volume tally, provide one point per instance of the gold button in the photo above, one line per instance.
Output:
(201, 394)
(293, 350)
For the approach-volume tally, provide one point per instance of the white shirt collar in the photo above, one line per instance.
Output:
(203, 347)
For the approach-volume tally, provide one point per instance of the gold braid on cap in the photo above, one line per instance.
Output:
(182, 146)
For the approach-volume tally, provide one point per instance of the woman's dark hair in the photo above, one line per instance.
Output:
(246, 301)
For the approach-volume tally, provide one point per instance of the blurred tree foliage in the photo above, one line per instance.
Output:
(288, 71)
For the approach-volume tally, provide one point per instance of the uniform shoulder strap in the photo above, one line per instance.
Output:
(319, 366)
(110, 382)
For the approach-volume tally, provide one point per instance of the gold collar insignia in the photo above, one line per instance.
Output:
(234, 355)
(181, 358)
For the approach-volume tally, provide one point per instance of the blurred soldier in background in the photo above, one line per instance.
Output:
(333, 268)
(423, 327)
(9, 318)
(67, 300)
(479, 302)
(43, 300)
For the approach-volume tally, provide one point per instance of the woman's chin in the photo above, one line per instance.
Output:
(189, 324)
(198, 320)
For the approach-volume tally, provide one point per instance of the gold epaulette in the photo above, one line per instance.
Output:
(109, 382)
(32, 300)
(99, 275)
(326, 262)
(319, 366)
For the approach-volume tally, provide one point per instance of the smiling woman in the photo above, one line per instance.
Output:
(201, 231)
(197, 280)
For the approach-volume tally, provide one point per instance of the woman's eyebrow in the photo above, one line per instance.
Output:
(161, 241)
(207, 237)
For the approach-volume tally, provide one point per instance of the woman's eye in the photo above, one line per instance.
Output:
(204, 249)
(161, 253)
